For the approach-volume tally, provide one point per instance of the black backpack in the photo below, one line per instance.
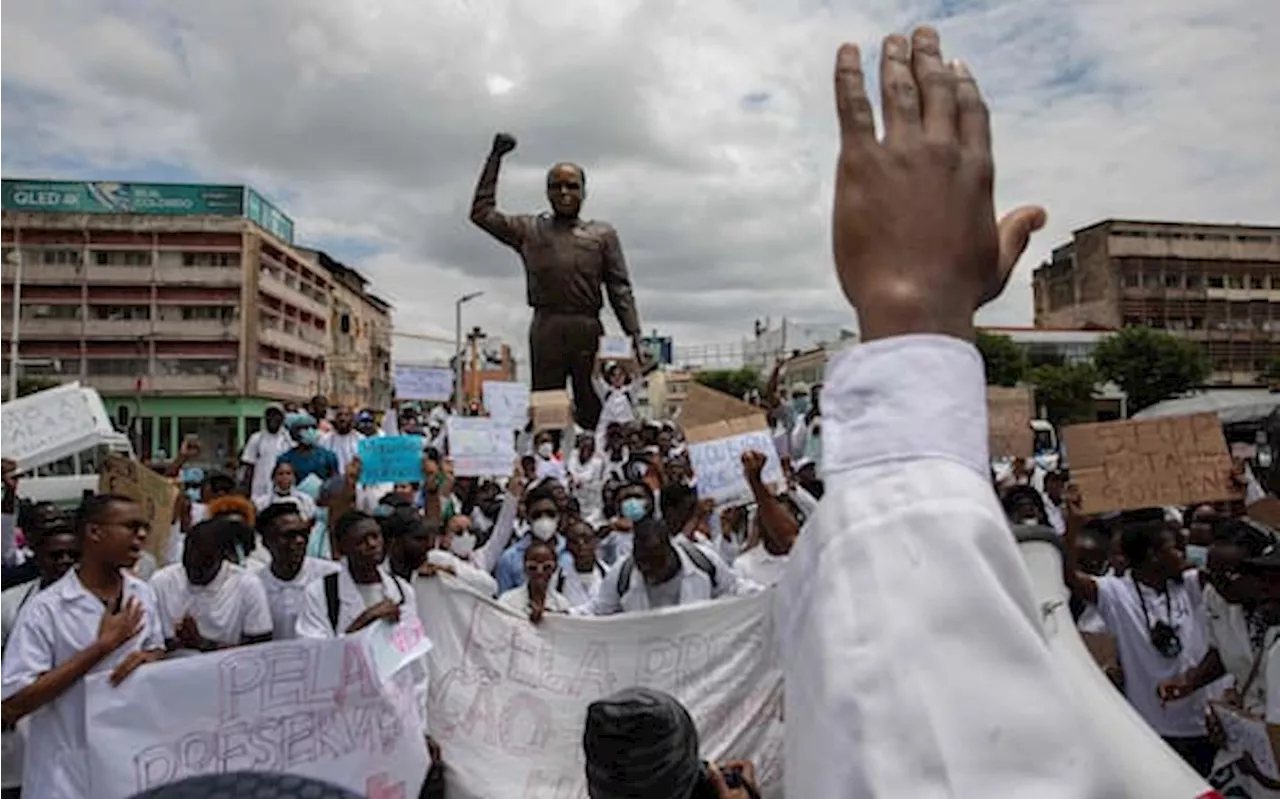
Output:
(695, 554)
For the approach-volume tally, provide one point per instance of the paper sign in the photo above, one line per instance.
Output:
(154, 493)
(50, 425)
(480, 447)
(1009, 414)
(1129, 465)
(717, 465)
(1244, 733)
(507, 402)
(430, 383)
(390, 459)
(550, 410)
(312, 708)
(392, 647)
(616, 348)
(509, 700)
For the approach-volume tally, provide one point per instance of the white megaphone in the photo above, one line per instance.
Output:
(1148, 768)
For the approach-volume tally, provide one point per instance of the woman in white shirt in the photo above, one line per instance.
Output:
(536, 597)
(616, 389)
(206, 602)
(284, 489)
(579, 585)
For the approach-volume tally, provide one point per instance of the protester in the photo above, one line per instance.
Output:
(206, 602)
(579, 585)
(308, 457)
(544, 524)
(284, 488)
(361, 592)
(343, 440)
(764, 560)
(96, 618)
(616, 387)
(547, 462)
(285, 531)
(536, 596)
(409, 537)
(366, 423)
(318, 408)
(261, 451)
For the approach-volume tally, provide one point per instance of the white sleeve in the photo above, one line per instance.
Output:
(486, 558)
(9, 528)
(1273, 683)
(1253, 491)
(910, 533)
(257, 615)
(728, 582)
(313, 621)
(805, 501)
(29, 651)
(601, 387)
(252, 449)
(606, 601)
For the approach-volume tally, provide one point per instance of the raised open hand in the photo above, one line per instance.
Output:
(917, 245)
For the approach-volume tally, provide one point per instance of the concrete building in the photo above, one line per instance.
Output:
(187, 307)
(359, 361)
(1217, 285)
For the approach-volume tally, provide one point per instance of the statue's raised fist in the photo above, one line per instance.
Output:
(503, 143)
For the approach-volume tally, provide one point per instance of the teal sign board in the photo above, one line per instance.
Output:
(270, 218)
(104, 197)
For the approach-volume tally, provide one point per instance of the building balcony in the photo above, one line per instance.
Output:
(288, 389)
(34, 274)
(117, 328)
(45, 328)
(169, 385)
(287, 341)
(197, 328)
(199, 275)
(127, 275)
(282, 291)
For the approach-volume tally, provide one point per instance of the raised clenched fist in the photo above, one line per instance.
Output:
(503, 143)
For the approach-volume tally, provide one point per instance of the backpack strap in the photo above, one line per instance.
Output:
(331, 599)
(624, 576)
(700, 560)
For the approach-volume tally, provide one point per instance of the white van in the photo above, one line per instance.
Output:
(64, 482)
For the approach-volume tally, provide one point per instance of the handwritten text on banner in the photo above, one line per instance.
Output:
(481, 447)
(390, 459)
(507, 402)
(430, 383)
(313, 708)
(717, 464)
(509, 700)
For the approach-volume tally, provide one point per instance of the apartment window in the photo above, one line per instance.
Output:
(1169, 234)
(50, 311)
(344, 323)
(120, 313)
(1172, 280)
(1254, 238)
(1257, 282)
(1151, 280)
(128, 258)
(1132, 280)
(208, 313)
(1216, 281)
(196, 367)
(1235, 281)
(61, 257)
(1195, 281)
(211, 259)
(118, 366)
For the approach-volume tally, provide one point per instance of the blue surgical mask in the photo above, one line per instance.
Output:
(309, 436)
(193, 494)
(1197, 555)
(634, 509)
(800, 405)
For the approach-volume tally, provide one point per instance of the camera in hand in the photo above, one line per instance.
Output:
(1164, 637)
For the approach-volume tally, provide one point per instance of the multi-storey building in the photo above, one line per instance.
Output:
(187, 307)
(359, 362)
(1217, 285)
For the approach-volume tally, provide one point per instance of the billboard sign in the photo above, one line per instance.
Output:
(267, 216)
(659, 349)
(104, 197)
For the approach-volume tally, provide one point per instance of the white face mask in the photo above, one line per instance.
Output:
(463, 544)
(545, 451)
(544, 528)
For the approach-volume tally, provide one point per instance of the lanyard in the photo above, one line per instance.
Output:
(1168, 603)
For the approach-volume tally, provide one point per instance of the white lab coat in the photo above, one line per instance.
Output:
(913, 656)
(313, 621)
(261, 452)
(695, 585)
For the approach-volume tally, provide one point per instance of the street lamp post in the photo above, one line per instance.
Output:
(15, 258)
(457, 347)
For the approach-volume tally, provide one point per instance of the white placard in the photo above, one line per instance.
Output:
(392, 647)
(509, 700)
(306, 707)
(717, 465)
(507, 402)
(616, 348)
(429, 383)
(49, 425)
(480, 446)
(1247, 734)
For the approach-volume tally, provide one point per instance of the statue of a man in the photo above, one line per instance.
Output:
(566, 261)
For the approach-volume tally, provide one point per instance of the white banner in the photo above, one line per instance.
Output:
(430, 383)
(481, 447)
(508, 700)
(507, 402)
(312, 708)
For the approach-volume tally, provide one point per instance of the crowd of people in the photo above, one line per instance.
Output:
(896, 570)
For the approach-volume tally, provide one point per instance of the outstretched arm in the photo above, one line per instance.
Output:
(617, 283)
(484, 206)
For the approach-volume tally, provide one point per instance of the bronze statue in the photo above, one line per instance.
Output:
(566, 260)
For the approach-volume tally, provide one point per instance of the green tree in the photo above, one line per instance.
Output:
(1065, 392)
(1150, 365)
(1005, 361)
(735, 382)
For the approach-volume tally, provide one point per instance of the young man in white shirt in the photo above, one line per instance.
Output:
(207, 602)
(285, 532)
(580, 584)
(764, 562)
(96, 618)
(361, 592)
(262, 449)
(343, 440)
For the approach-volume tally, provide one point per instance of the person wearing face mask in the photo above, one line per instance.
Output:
(455, 553)
(284, 489)
(797, 417)
(367, 424)
(544, 525)
(343, 440)
(308, 457)
(634, 503)
(547, 463)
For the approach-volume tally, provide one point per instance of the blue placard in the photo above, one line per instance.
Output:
(391, 459)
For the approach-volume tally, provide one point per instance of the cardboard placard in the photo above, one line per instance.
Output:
(703, 406)
(154, 493)
(1129, 465)
(616, 348)
(550, 410)
(1009, 415)
(1265, 511)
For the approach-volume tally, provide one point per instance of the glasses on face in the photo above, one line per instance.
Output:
(543, 514)
(540, 568)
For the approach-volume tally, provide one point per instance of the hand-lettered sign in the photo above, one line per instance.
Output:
(616, 348)
(1150, 463)
(718, 429)
(430, 383)
(50, 425)
(550, 410)
(1009, 413)
(154, 493)
(390, 459)
(507, 402)
(306, 707)
(480, 447)
(509, 700)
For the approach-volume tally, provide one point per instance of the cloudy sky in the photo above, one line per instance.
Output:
(706, 128)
